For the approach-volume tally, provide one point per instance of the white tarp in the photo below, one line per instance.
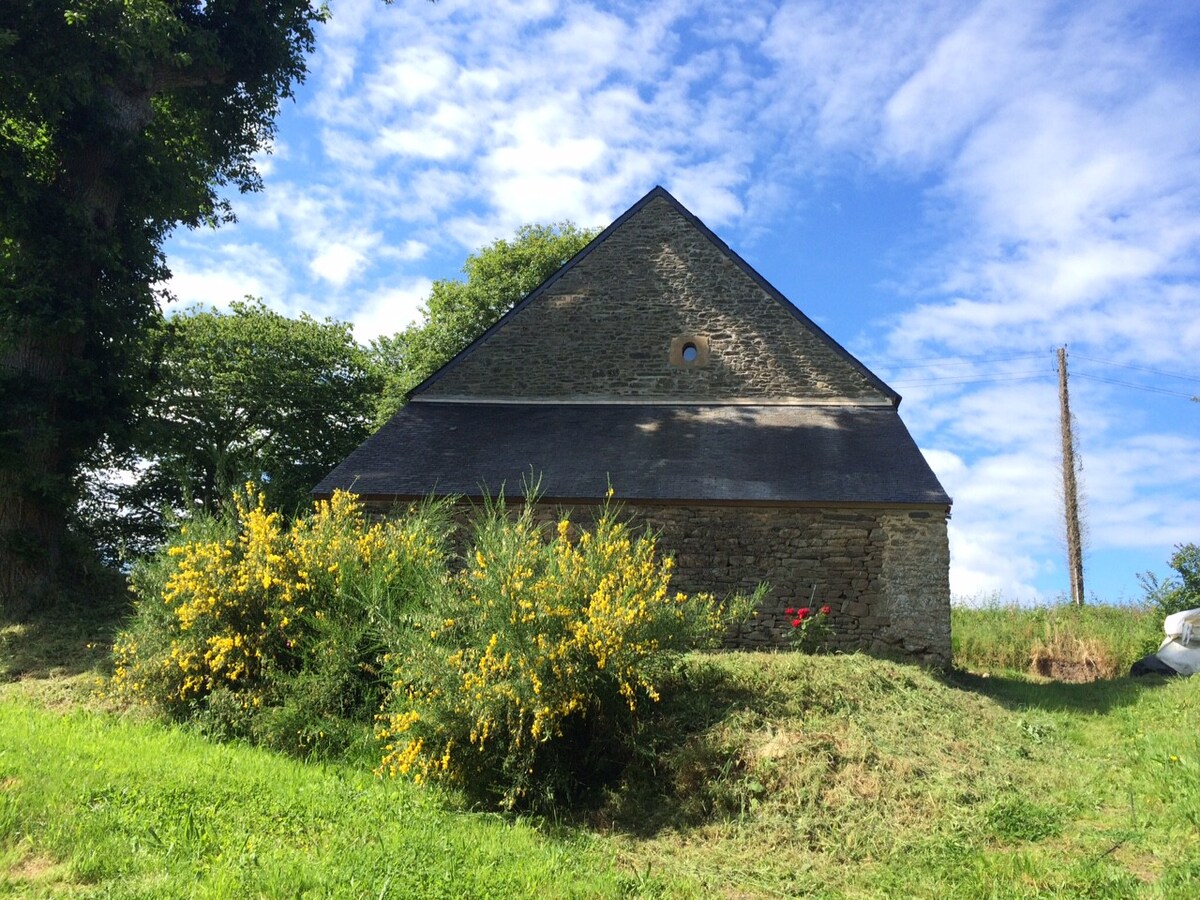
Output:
(1181, 648)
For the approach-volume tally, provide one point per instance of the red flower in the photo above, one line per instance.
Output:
(789, 611)
(804, 613)
(826, 610)
(796, 623)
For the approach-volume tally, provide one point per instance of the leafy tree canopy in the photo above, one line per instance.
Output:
(1177, 593)
(119, 119)
(458, 311)
(242, 396)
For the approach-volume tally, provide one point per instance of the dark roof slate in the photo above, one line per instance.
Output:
(670, 453)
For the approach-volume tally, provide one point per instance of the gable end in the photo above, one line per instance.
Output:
(656, 309)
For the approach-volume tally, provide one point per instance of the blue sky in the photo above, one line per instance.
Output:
(951, 189)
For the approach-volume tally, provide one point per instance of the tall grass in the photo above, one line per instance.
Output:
(1094, 641)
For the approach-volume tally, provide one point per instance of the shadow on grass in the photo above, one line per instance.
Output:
(1015, 692)
(69, 638)
(688, 775)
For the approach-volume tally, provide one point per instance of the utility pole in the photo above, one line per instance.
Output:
(1070, 487)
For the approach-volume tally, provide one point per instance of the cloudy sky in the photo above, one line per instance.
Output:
(951, 189)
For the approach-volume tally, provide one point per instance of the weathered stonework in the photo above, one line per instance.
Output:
(883, 572)
(829, 507)
(604, 331)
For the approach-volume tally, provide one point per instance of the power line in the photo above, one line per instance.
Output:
(976, 379)
(966, 379)
(1138, 387)
(953, 361)
(1107, 362)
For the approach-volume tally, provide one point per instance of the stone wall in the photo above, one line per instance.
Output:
(883, 572)
(612, 328)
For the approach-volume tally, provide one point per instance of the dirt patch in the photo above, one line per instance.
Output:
(32, 868)
(1071, 671)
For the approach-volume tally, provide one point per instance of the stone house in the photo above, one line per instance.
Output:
(658, 361)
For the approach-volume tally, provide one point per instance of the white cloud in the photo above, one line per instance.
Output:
(337, 261)
(1054, 150)
(390, 310)
(232, 273)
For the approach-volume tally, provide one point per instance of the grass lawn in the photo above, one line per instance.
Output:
(774, 775)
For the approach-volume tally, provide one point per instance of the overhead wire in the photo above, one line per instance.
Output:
(1129, 384)
(996, 378)
(976, 379)
(1108, 362)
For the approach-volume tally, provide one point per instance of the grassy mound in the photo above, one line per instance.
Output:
(769, 775)
(851, 775)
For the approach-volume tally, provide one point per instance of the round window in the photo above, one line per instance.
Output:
(689, 352)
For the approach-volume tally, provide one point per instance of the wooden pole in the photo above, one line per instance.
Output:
(1070, 485)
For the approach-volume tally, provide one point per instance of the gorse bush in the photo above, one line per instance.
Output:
(518, 670)
(527, 685)
(258, 630)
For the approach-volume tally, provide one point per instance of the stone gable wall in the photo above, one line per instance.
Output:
(883, 572)
(605, 331)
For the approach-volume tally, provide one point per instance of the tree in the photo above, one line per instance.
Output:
(457, 312)
(244, 396)
(1175, 594)
(119, 119)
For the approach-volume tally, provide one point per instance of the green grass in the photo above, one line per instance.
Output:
(95, 806)
(1097, 641)
(772, 775)
(849, 776)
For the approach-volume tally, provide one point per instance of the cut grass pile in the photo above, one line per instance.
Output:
(773, 775)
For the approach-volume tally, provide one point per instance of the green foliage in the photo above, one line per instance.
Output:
(520, 675)
(527, 683)
(238, 396)
(118, 122)
(273, 633)
(766, 774)
(1175, 594)
(457, 312)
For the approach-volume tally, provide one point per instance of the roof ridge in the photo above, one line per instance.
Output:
(658, 191)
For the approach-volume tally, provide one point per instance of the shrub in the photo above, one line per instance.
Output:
(521, 673)
(527, 683)
(811, 630)
(257, 630)
(1175, 594)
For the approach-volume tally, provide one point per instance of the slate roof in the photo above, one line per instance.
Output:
(743, 454)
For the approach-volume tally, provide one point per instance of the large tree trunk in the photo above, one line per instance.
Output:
(32, 535)
(61, 407)
(33, 519)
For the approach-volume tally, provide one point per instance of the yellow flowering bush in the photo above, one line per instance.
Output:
(527, 680)
(520, 668)
(273, 629)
